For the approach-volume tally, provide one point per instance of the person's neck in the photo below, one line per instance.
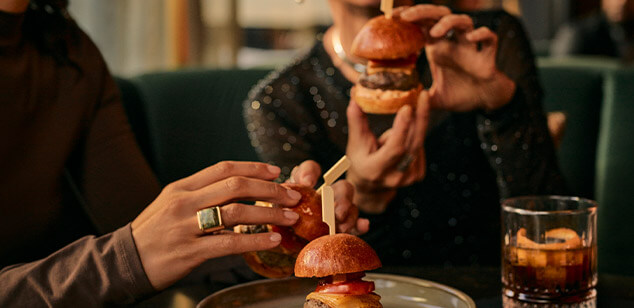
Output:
(14, 6)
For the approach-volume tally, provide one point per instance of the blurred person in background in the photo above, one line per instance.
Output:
(609, 32)
(430, 182)
(65, 135)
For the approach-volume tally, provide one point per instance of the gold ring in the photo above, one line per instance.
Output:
(407, 160)
(210, 220)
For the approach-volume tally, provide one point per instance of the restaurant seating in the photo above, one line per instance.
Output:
(615, 172)
(189, 119)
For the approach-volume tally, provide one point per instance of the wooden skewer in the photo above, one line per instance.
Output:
(328, 207)
(335, 172)
(386, 8)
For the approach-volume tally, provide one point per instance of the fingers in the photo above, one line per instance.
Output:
(350, 222)
(344, 194)
(384, 137)
(421, 120)
(306, 173)
(243, 188)
(396, 145)
(363, 226)
(460, 22)
(232, 243)
(482, 34)
(226, 169)
(358, 128)
(237, 213)
(422, 12)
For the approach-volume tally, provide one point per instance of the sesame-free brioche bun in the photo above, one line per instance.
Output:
(387, 39)
(380, 101)
(335, 254)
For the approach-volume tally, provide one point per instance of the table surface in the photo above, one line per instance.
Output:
(482, 284)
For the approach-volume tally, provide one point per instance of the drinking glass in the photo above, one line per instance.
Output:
(549, 249)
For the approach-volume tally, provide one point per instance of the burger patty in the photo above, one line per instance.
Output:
(386, 80)
(269, 258)
(313, 303)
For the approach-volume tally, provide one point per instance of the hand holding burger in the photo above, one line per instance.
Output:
(279, 261)
(462, 60)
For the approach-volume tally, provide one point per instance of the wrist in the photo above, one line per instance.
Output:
(370, 197)
(497, 91)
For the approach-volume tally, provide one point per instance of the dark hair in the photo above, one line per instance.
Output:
(48, 25)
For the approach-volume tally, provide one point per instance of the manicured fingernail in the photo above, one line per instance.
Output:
(291, 215)
(275, 237)
(274, 169)
(308, 180)
(293, 194)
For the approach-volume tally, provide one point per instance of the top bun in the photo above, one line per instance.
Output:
(387, 39)
(335, 254)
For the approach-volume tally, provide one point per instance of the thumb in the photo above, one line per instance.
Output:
(358, 127)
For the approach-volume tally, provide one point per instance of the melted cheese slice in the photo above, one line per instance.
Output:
(347, 301)
(398, 69)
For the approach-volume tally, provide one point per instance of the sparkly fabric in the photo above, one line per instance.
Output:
(473, 159)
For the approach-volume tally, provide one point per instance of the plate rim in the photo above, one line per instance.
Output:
(372, 276)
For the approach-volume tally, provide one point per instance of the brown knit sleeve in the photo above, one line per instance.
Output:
(90, 272)
(108, 166)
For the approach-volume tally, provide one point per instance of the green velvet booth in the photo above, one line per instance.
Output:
(188, 120)
(615, 169)
(576, 88)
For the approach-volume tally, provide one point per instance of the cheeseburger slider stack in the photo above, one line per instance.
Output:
(340, 260)
(279, 261)
(390, 81)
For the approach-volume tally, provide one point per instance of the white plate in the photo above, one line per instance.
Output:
(396, 292)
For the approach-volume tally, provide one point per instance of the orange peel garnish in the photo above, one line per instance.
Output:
(569, 237)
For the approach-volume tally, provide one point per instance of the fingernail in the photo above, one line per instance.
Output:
(291, 215)
(275, 237)
(274, 169)
(293, 194)
(307, 180)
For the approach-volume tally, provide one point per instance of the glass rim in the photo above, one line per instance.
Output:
(590, 208)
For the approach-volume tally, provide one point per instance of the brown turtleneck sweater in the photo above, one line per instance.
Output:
(58, 121)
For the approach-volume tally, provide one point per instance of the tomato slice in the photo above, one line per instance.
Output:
(355, 287)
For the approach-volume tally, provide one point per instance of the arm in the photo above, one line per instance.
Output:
(515, 137)
(111, 173)
(91, 271)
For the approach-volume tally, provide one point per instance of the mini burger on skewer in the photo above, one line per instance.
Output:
(340, 260)
(280, 261)
(391, 46)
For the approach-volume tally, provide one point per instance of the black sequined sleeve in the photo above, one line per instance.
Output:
(283, 129)
(515, 138)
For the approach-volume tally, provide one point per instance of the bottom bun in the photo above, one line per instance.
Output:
(380, 101)
(322, 300)
(283, 267)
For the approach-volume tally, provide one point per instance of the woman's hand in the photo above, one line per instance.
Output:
(346, 212)
(462, 61)
(166, 233)
(395, 159)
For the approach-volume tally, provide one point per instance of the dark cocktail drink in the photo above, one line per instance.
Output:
(549, 251)
(546, 273)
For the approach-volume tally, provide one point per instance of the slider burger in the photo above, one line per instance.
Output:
(390, 81)
(279, 261)
(340, 260)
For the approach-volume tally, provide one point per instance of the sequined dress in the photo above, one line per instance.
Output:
(474, 159)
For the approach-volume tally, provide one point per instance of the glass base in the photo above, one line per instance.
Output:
(512, 299)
